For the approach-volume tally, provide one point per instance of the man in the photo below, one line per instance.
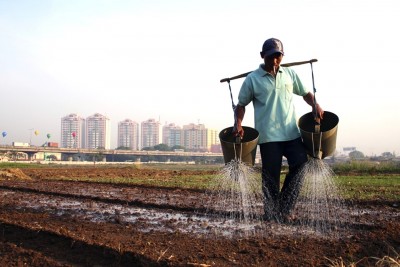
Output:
(271, 89)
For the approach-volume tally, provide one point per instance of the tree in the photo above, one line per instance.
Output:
(98, 157)
(123, 148)
(162, 147)
(159, 147)
(387, 155)
(356, 154)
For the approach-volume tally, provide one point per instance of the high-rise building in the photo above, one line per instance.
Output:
(195, 137)
(150, 133)
(199, 138)
(172, 135)
(98, 132)
(128, 134)
(72, 131)
(212, 139)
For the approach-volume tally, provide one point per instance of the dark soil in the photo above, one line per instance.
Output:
(46, 222)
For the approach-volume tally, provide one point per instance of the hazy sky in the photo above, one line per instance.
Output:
(164, 60)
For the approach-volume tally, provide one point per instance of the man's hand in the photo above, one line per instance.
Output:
(318, 113)
(237, 128)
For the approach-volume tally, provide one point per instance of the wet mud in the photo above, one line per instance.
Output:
(47, 222)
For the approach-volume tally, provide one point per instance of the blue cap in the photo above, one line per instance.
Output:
(272, 46)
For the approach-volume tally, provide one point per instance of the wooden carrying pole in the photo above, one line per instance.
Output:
(283, 65)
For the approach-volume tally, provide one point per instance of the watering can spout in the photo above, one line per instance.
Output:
(318, 154)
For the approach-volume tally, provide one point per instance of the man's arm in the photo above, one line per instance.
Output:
(239, 115)
(316, 108)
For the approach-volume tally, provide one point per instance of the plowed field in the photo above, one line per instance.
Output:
(50, 222)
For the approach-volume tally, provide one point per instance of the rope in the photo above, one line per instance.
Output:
(241, 150)
(316, 114)
(320, 143)
(230, 90)
(312, 141)
(315, 90)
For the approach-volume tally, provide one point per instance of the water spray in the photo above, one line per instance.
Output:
(238, 192)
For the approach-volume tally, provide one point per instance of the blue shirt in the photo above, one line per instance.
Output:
(274, 112)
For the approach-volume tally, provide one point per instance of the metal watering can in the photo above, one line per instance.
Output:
(319, 144)
(245, 150)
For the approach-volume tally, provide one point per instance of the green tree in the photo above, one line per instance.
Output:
(98, 157)
(123, 148)
(356, 154)
(162, 147)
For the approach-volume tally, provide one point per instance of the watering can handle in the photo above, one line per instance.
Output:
(283, 65)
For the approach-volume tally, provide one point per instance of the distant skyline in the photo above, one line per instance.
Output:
(43, 135)
(164, 60)
(37, 137)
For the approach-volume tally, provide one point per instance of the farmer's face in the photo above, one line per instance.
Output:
(273, 60)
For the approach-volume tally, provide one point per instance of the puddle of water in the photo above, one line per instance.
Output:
(169, 220)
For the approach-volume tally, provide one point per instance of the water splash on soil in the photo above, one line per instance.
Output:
(320, 205)
(236, 195)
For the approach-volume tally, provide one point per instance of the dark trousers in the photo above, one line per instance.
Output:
(280, 202)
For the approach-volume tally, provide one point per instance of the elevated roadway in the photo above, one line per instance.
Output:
(31, 150)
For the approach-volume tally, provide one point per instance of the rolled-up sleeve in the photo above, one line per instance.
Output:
(298, 87)
(245, 93)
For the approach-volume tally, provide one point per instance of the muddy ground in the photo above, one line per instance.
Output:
(45, 222)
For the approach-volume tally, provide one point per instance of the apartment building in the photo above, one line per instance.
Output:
(94, 132)
(212, 139)
(72, 131)
(98, 132)
(128, 134)
(150, 133)
(197, 137)
(172, 135)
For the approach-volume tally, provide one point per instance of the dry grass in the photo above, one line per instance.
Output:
(388, 262)
(339, 263)
(385, 261)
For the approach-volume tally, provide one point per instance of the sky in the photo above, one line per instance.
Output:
(163, 60)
